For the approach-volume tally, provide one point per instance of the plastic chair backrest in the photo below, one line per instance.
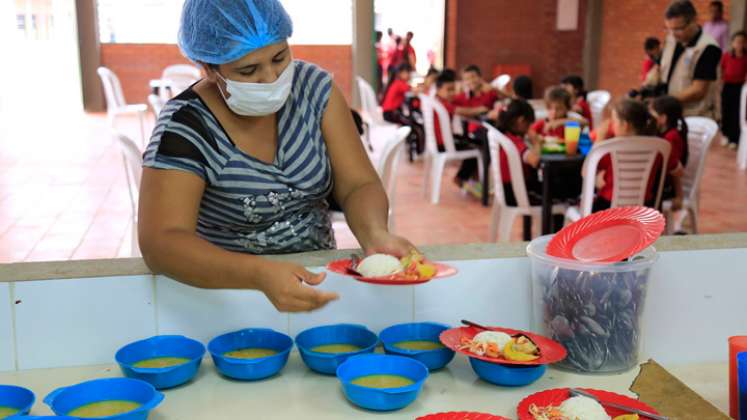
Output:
(498, 141)
(633, 159)
(598, 100)
(501, 81)
(133, 162)
(388, 164)
(701, 132)
(431, 107)
(112, 89)
(369, 105)
(743, 108)
(156, 103)
(179, 77)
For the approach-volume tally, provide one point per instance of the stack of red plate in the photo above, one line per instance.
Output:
(608, 236)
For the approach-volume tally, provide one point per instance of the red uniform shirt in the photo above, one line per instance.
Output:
(395, 96)
(451, 109)
(471, 100)
(733, 68)
(585, 111)
(648, 64)
(521, 147)
(539, 128)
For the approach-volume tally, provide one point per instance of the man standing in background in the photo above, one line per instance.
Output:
(717, 27)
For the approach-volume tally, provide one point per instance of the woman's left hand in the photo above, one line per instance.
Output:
(384, 242)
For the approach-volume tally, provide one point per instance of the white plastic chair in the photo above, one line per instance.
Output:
(435, 161)
(178, 77)
(156, 104)
(387, 166)
(742, 151)
(133, 165)
(632, 161)
(501, 82)
(701, 133)
(379, 130)
(503, 215)
(598, 100)
(116, 104)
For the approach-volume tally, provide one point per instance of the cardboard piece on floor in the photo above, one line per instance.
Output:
(658, 388)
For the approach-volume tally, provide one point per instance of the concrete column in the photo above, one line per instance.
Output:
(738, 14)
(364, 51)
(592, 43)
(90, 55)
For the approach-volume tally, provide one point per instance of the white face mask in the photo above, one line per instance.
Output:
(258, 99)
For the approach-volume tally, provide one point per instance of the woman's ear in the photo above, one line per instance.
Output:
(210, 72)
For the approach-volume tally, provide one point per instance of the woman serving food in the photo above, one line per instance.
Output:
(241, 163)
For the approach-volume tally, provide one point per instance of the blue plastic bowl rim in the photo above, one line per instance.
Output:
(147, 406)
(27, 407)
(364, 350)
(390, 346)
(401, 390)
(238, 361)
(158, 370)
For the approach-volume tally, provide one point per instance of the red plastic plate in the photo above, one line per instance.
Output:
(342, 267)
(557, 396)
(461, 415)
(550, 351)
(608, 236)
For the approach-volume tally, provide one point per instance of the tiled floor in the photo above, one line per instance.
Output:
(63, 195)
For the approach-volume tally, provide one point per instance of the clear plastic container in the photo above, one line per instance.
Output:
(594, 310)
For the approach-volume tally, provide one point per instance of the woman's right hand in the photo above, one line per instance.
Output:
(283, 284)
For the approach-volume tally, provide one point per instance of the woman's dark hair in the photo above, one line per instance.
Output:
(672, 108)
(636, 114)
(523, 87)
(516, 109)
(446, 76)
(578, 84)
(558, 94)
(650, 43)
(683, 9)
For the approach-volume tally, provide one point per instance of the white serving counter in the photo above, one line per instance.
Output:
(298, 393)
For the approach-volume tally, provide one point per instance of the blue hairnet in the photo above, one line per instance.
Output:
(220, 31)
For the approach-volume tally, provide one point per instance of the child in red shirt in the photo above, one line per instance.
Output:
(667, 111)
(514, 122)
(575, 86)
(558, 102)
(479, 97)
(395, 95)
(733, 70)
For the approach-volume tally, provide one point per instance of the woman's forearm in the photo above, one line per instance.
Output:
(367, 211)
(190, 259)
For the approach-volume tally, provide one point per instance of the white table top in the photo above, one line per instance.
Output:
(299, 393)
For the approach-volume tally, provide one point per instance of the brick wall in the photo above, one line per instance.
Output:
(137, 64)
(626, 24)
(494, 32)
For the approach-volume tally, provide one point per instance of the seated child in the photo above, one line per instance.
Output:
(558, 102)
(575, 86)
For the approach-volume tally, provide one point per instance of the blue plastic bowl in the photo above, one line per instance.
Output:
(63, 400)
(47, 418)
(433, 359)
(386, 399)
(17, 397)
(327, 363)
(162, 346)
(250, 369)
(506, 375)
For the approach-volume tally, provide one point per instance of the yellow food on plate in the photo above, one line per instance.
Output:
(161, 362)
(415, 267)
(250, 353)
(336, 348)
(419, 345)
(104, 408)
(7, 411)
(627, 417)
(383, 381)
(521, 349)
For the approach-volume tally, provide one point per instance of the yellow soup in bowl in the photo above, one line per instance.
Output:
(419, 345)
(250, 353)
(336, 348)
(104, 408)
(161, 362)
(7, 411)
(383, 381)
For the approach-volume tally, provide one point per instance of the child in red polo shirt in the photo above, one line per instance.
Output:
(733, 71)
(395, 95)
(575, 86)
(629, 118)
(514, 122)
(667, 111)
(479, 97)
(558, 102)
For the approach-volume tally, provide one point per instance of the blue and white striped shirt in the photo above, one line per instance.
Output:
(249, 205)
